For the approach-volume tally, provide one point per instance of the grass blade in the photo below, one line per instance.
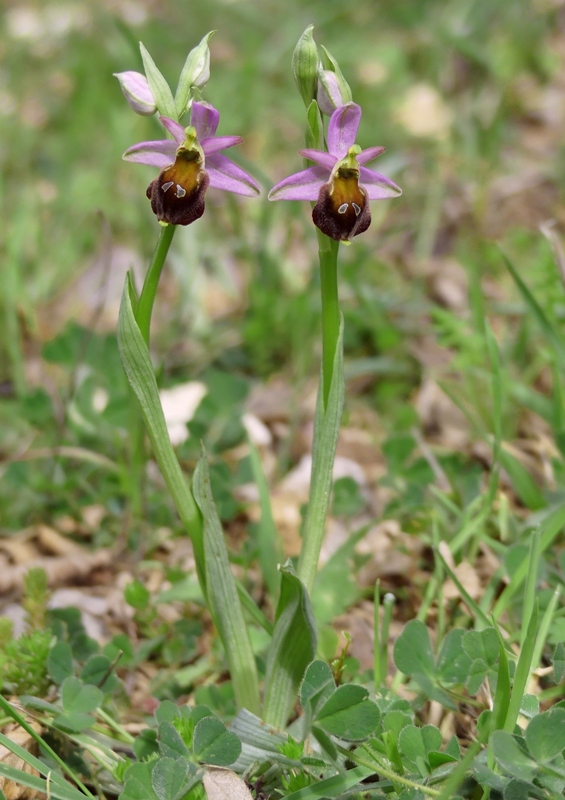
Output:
(223, 600)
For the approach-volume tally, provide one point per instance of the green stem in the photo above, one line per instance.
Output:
(327, 252)
(329, 409)
(147, 296)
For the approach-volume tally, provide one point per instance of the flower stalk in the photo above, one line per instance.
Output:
(328, 250)
(146, 300)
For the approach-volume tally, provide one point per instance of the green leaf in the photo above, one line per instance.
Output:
(477, 673)
(171, 778)
(502, 696)
(160, 89)
(522, 672)
(98, 671)
(136, 595)
(413, 653)
(529, 707)
(137, 782)
(512, 757)
(76, 697)
(349, 714)
(317, 686)
(395, 721)
(167, 711)
(545, 735)
(223, 599)
(60, 662)
(334, 786)
(74, 721)
(57, 780)
(519, 790)
(482, 644)
(292, 648)
(145, 744)
(39, 785)
(526, 488)
(171, 743)
(551, 334)
(559, 663)
(268, 543)
(415, 743)
(453, 663)
(139, 372)
(214, 744)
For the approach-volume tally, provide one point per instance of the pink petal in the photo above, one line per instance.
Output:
(174, 129)
(224, 174)
(303, 185)
(342, 129)
(157, 153)
(217, 143)
(319, 157)
(369, 154)
(205, 119)
(377, 186)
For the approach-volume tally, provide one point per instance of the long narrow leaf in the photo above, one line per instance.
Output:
(551, 526)
(11, 711)
(223, 599)
(523, 669)
(270, 551)
(141, 377)
(38, 765)
(55, 789)
(292, 648)
(552, 336)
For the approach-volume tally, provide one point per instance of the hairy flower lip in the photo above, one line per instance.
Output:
(167, 154)
(308, 184)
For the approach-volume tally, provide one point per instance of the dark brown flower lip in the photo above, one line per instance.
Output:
(178, 193)
(342, 209)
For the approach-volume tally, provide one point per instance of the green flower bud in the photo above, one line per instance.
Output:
(305, 66)
(195, 73)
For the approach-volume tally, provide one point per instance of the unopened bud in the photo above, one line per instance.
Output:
(305, 66)
(331, 92)
(195, 73)
(333, 89)
(137, 92)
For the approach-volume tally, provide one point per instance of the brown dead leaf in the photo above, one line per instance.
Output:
(224, 784)
(60, 571)
(391, 551)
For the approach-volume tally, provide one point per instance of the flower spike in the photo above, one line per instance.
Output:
(339, 183)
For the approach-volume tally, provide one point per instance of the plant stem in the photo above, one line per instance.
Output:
(327, 252)
(329, 409)
(149, 290)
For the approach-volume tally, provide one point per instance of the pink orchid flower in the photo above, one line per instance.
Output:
(339, 183)
(189, 164)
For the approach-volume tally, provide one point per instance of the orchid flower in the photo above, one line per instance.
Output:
(189, 164)
(339, 183)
